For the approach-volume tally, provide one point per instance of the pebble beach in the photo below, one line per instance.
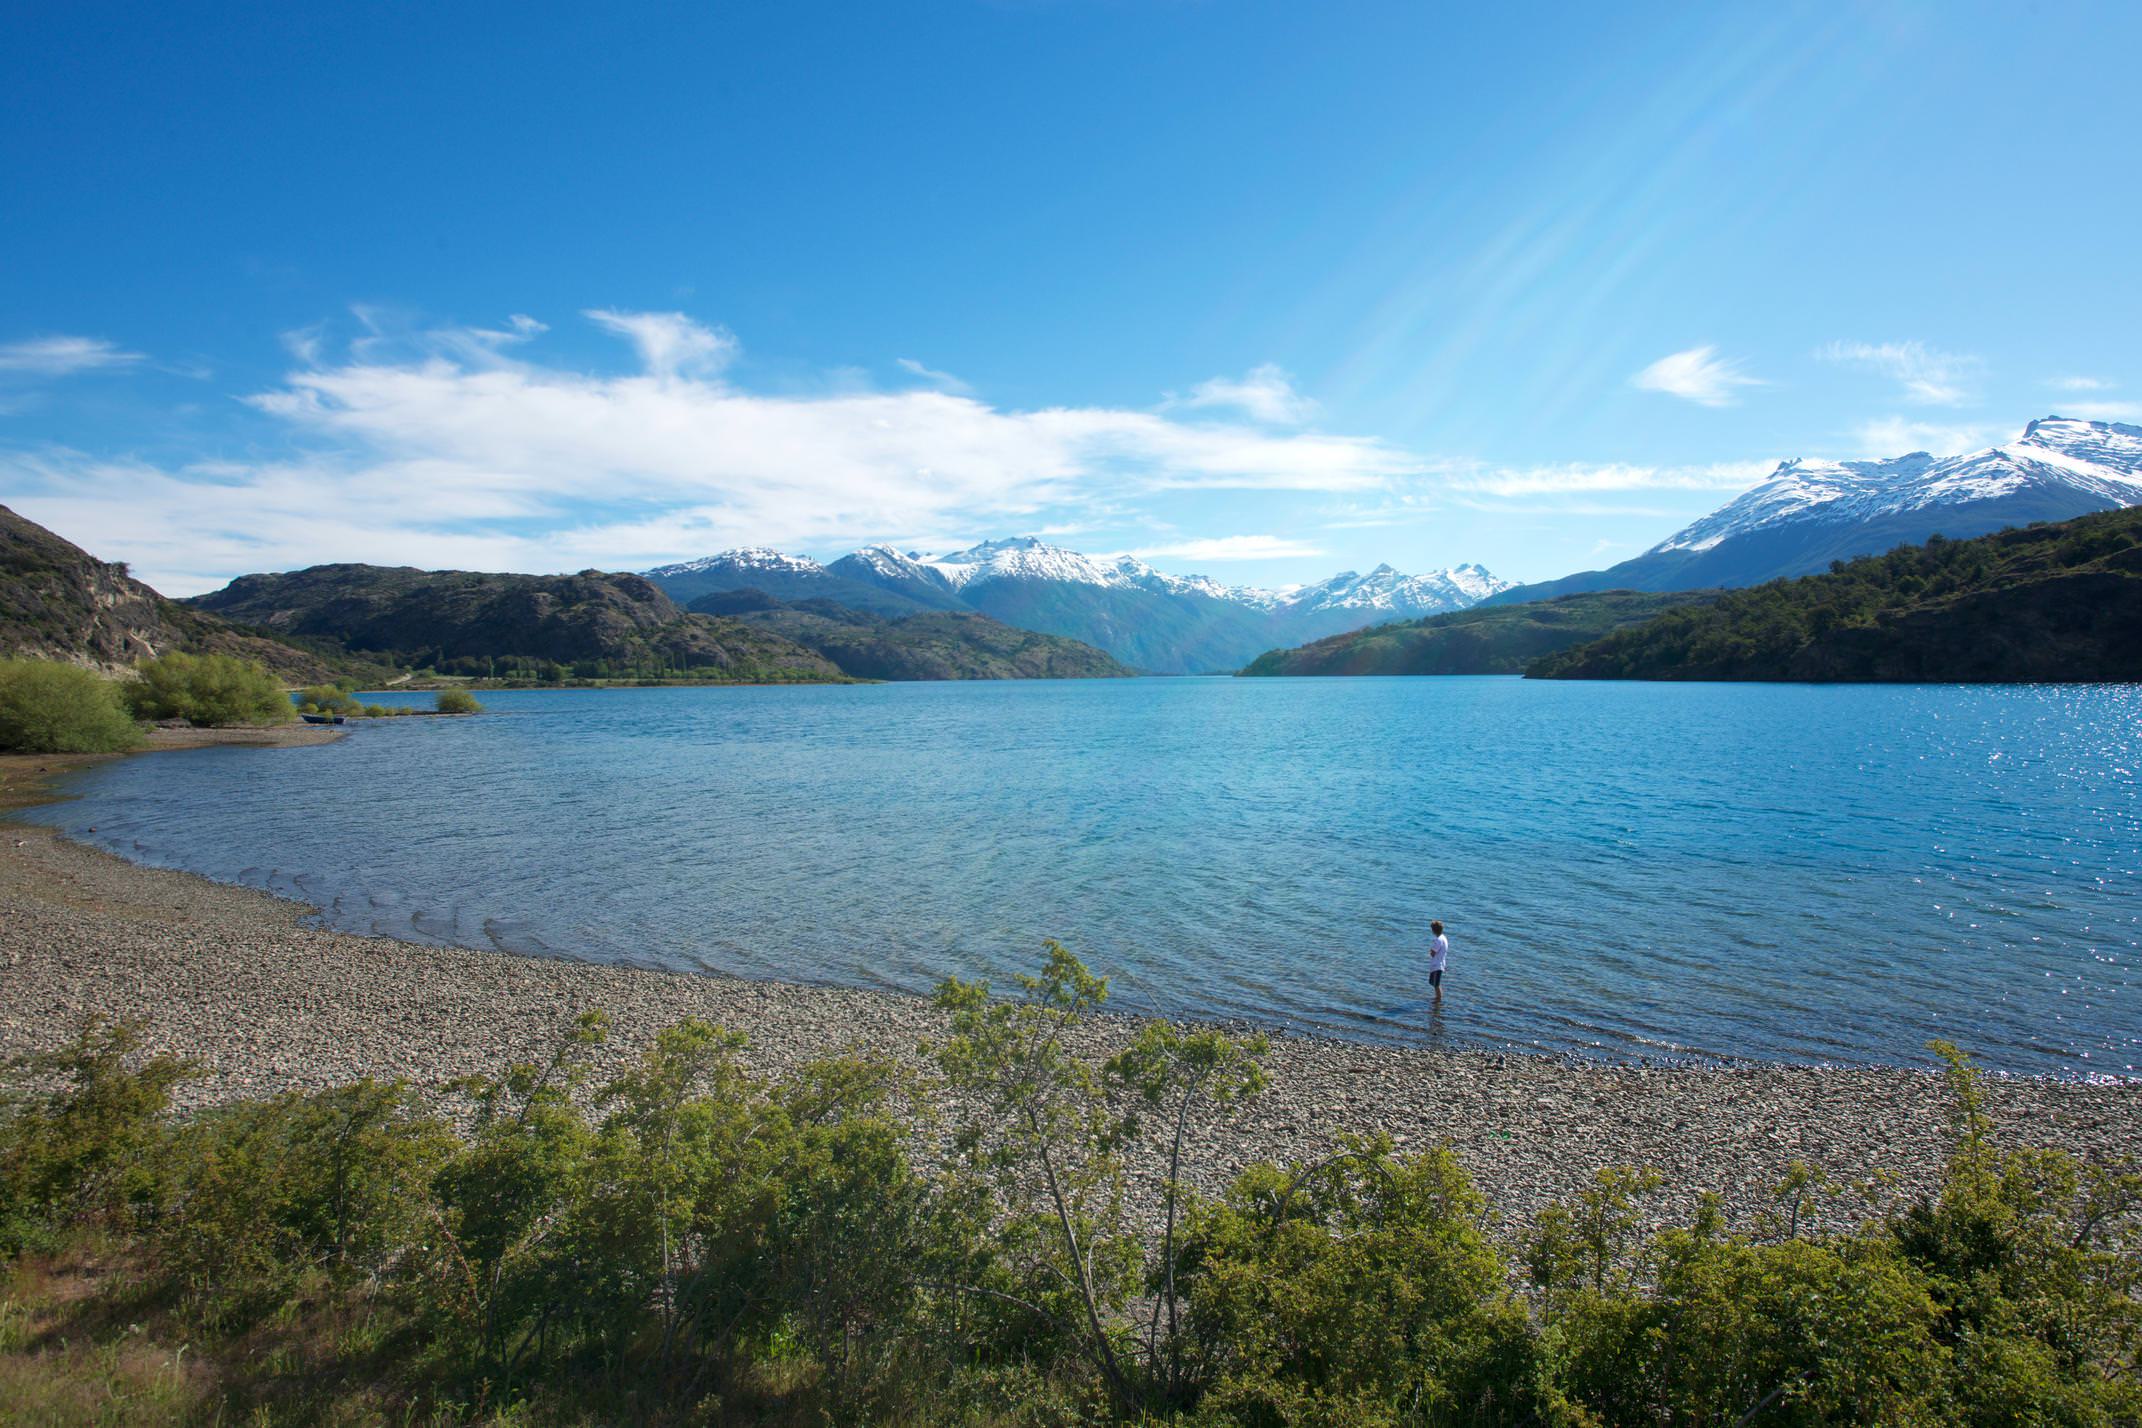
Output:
(265, 1000)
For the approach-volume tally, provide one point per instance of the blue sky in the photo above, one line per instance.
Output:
(1260, 289)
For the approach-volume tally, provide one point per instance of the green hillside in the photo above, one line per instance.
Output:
(2045, 602)
(1487, 639)
(929, 646)
(591, 625)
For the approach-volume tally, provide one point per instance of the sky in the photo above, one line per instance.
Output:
(1259, 290)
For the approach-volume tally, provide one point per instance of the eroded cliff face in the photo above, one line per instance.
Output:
(57, 601)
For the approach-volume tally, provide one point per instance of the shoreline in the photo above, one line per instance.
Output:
(266, 1000)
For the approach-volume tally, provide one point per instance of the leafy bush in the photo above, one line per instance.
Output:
(327, 699)
(51, 708)
(1342, 1290)
(208, 691)
(269, 1192)
(457, 701)
(83, 1142)
(691, 1242)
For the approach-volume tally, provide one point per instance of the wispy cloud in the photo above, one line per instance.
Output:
(669, 343)
(1265, 393)
(2103, 411)
(1578, 478)
(60, 356)
(1238, 547)
(944, 381)
(440, 448)
(1697, 375)
(1929, 377)
(1895, 435)
(2079, 384)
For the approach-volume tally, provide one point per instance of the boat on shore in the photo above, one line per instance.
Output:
(322, 718)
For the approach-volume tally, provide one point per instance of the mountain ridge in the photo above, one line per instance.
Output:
(1807, 513)
(1144, 617)
(2053, 602)
(925, 645)
(57, 601)
(1484, 639)
(606, 624)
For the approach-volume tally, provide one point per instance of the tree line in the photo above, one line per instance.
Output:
(2052, 601)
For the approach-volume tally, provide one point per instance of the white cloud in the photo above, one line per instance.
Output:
(1240, 547)
(1929, 377)
(63, 356)
(1698, 375)
(942, 380)
(450, 454)
(2103, 411)
(1265, 393)
(1579, 478)
(669, 343)
(2079, 384)
(1893, 436)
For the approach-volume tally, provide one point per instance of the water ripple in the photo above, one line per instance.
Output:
(1830, 874)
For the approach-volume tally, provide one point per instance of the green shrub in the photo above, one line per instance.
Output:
(51, 708)
(208, 691)
(1354, 1290)
(693, 1242)
(78, 1130)
(458, 701)
(333, 1182)
(327, 699)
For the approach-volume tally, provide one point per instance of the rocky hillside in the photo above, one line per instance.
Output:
(1487, 639)
(597, 625)
(928, 645)
(57, 601)
(2048, 602)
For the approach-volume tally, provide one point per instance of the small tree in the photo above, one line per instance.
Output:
(51, 708)
(1046, 1143)
(1175, 1072)
(458, 701)
(208, 691)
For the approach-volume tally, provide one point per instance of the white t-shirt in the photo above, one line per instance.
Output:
(1438, 952)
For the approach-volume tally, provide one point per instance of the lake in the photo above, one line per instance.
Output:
(1626, 870)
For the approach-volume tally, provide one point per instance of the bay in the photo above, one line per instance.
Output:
(1809, 873)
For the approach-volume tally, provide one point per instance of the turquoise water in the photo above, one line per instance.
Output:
(1626, 869)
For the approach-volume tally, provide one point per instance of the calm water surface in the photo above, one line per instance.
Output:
(1627, 869)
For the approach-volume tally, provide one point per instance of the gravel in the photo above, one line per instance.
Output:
(265, 1001)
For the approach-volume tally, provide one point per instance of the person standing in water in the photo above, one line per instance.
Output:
(1438, 954)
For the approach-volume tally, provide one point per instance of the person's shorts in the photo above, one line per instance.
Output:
(1435, 979)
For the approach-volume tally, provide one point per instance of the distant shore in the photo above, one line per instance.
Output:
(265, 1000)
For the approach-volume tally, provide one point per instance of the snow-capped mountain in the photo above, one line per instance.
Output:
(1809, 513)
(1144, 617)
(750, 558)
(1388, 594)
(790, 578)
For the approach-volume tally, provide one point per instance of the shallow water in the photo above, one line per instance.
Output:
(1810, 873)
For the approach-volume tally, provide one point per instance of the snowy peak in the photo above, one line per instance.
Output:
(755, 557)
(1382, 591)
(1149, 619)
(1025, 558)
(1386, 590)
(2109, 444)
(885, 563)
(2090, 461)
